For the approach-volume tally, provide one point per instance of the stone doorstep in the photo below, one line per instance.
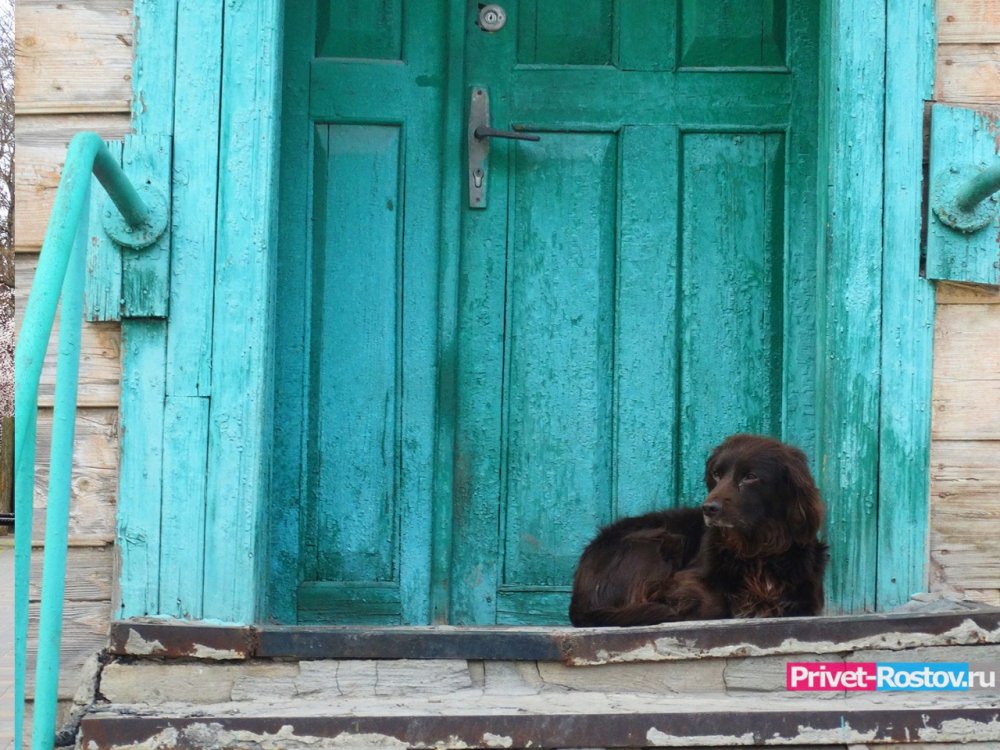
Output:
(167, 639)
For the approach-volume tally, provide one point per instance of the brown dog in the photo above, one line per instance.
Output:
(750, 550)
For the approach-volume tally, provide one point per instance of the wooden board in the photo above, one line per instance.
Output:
(967, 73)
(968, 21)
(966, 339)
(85, 632)
(966, 397)
(89, 574)
(965, 517)
(73, 57)
(41, 150)
(95, 477)
(966, 409)
(949, 293)
(100, 350)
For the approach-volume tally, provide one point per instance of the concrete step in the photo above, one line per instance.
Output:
(712, 684)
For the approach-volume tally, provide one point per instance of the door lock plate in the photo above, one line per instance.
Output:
(479, 148)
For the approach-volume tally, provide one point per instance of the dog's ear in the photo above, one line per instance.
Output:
(805, 507)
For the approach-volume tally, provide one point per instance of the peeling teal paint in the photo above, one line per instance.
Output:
(201, 388)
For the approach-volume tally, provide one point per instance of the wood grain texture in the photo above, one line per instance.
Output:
(85, 632)
(965, 342)
(965, 520)
(907, 313)
(966, 398)
(41, 151)
(182, 527)
(949, 293)
(146, 160)
(967, 73)
(103, 284)
(141, 483)
(852, 164)
(194, 197)
(968, 21)
(100, 349)
(73, 57)
(89, 574)
(240, 421)
(95, 481)
(292, 313)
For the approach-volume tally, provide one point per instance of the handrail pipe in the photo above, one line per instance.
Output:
(59, 277)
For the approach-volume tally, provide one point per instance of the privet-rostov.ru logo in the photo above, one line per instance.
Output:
(887, 676)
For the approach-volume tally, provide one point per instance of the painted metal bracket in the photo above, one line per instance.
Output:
(963, 220)
(965, 199)
(137, 232)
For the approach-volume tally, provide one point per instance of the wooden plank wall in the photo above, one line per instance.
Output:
(74, 72)
(965, 448)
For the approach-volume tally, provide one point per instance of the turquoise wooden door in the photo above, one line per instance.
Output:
(632, 287)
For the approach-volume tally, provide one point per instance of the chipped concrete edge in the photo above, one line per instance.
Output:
(966, 633)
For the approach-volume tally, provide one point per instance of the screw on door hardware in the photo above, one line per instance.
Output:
(492, 17)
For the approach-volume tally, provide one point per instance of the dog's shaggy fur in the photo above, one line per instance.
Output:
(750, 550)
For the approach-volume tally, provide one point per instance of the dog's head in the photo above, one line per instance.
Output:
(761, 496)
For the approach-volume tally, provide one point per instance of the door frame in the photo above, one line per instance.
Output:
(875, 386)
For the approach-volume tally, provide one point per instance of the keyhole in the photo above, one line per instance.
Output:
(492, 18)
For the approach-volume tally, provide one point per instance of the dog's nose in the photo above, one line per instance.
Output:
(711, 508)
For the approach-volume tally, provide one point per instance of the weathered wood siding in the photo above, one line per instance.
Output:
(965, 449)
(74, 72)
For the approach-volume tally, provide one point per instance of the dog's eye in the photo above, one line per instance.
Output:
(750, 477)
(716, 475)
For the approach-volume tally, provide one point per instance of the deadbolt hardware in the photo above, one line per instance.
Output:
(479, 136)
(492, 17)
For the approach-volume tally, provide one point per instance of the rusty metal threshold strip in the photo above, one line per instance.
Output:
(835, 725)
(688, 640)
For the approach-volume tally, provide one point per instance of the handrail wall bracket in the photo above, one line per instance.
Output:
(965, 198)
(144, 234)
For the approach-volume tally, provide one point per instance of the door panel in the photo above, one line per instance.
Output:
(358, 305)
(355, 372)
(639, 283)
(733, 33)
(732, 299)
(640, 316)
(561, 296)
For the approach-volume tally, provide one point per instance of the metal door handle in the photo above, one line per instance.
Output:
(480, 133)
(484, 131)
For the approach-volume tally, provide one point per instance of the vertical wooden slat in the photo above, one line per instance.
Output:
(453, 110)
(183, 515)
(907, 313)
(294, 271)
(242, 346)
(146, 271)
(103, 290)
(851, 155)
(140, 489)
(189, 333)
(195, 194)
(145, 283)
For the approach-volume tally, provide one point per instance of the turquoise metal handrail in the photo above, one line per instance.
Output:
(60, 275)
